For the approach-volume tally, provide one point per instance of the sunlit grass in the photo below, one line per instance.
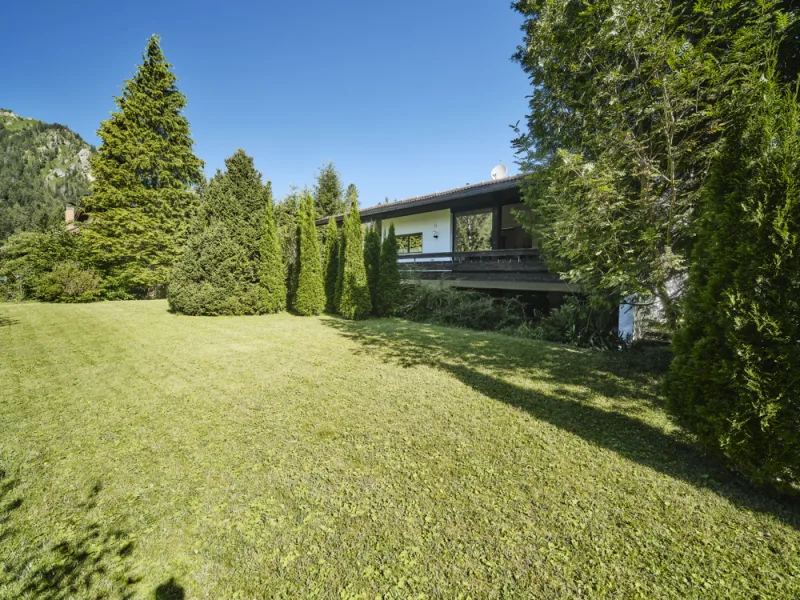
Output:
(151, 454)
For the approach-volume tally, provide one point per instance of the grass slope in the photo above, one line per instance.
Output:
(155, 455)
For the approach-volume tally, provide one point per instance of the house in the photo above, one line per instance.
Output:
(469, 237)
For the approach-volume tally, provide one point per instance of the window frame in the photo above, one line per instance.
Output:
(405, 249)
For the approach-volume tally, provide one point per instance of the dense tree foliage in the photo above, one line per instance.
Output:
(42, 168)
(734, 380)
(141, 201)
(271, 275)
(309, 297)
(372, 260)
(328, 199)
(388, 293)
(331, 264)
(624, 119)
(354, 302)
(235, 220)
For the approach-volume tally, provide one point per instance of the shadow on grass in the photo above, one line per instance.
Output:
(170, 591)
(6, 322)
(485, 361)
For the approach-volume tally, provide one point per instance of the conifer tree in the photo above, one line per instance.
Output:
(372, 259)
(309, 298)
(141, 202)
(328, 198)
(734, 380)
(337, 295)
(271, 277)
(389, 291)
(355, 301)
(331, 267)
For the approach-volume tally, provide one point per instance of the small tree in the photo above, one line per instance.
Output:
(271, 276)
(372, 259)
(734, 380)
(388, 291)
(331, 267)
(355, 302)
(309, 297)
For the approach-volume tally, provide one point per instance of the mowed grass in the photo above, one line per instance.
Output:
(145, 454)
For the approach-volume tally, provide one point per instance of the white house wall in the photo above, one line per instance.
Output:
(438, 221)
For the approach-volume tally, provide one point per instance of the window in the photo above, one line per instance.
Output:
(473, 230)
(410, 243)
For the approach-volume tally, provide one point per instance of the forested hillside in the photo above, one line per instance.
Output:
(43, 167)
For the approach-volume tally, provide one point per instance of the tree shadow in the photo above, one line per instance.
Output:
(170, 591)
(89, 561)
(6, 322)
(486, 362)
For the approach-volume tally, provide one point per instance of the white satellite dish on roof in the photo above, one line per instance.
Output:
(499, 172)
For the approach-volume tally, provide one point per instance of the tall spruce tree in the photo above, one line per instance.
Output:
(331, 266)
(328, 198)
(271, 277)
(372, 259)
(355, 302)
(734, 381)
(141, 202)
(309, 298)
(389, 292)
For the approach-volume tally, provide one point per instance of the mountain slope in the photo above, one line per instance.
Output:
(43, 167)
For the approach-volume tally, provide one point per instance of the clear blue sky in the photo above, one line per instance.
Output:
(406, 98)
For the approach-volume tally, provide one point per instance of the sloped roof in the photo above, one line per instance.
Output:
(430, 201)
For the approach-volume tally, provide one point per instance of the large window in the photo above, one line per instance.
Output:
(410, 243)
(474, 231)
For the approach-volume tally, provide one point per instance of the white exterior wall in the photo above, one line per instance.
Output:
(425, 223)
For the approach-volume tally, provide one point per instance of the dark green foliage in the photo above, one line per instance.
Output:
(142, 203)
(388, 294)
(627, 108)
(42, 169)
(355, 302)
(28, 256)
(460, 308)
(337, 292)
(328, 198)
(583, 322)
(237, 200)
(212, 277)
(331, 265)
(309, 298)
(68, 282)
(271, 276)
(734, 380)
(372, 262)
(286, 213)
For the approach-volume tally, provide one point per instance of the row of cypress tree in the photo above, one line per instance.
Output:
(233, 263)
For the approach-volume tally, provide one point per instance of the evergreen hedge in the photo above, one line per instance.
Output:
(355, 302)
(331, 266)
(309, 298)
(388, 292)
(271, 276)
(735, 378)
(372, 261)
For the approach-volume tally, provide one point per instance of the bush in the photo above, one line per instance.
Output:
(331, 264)
(210, 277)
(355, 301)
(372, 259)
(389, 291)
(734, 380)
(309, 297)
(25, 257)
(68, 282)
(460, 308)
(578, 322)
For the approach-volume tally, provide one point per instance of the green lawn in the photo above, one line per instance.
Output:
(156, 456)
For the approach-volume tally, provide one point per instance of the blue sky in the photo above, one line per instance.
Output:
(406, 98)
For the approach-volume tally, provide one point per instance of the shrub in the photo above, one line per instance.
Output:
(25, 257)
(734, 380)
(271, 274)
(580, 323)
(309, 298)
(68, 282)
(460, 308)
(388, 291)
(211, 277)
